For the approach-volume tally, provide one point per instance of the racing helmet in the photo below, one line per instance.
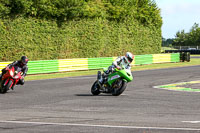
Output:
(129, 57)
(24, 60)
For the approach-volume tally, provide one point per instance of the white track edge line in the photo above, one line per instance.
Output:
(104, 126)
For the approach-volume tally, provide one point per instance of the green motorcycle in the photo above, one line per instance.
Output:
(115, 83)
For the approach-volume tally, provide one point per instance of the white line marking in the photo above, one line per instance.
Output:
(178, 83)
(103, 126)
(193, 122)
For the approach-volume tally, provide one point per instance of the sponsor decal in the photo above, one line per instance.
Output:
(192, 86)
(114, 77)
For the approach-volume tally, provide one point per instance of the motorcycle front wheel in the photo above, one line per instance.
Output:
(118, 87)
(5, 88)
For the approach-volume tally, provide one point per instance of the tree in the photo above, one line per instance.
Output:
(144, 11)
(192, 38)
(4, 9)
(167, 42)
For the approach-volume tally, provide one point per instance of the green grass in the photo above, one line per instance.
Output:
(193, 62)
(94, 72)
(167, 48)
(194, 55)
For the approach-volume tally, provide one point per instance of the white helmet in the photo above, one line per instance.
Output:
(129, 57)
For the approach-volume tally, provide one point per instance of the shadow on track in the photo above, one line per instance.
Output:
(87, 95)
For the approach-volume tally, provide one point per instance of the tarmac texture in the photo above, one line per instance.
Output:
(66, 105)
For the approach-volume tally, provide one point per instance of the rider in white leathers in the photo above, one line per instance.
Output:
(118, 63)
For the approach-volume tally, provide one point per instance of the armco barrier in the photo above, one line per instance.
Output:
(50, 66)
(72, 64)
(96, 63)
(3, 65)
(157, 58)
(175, 57)
(143, 59)
(43, 66)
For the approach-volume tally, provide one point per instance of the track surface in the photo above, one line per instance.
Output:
(66, 105)
(195, 56)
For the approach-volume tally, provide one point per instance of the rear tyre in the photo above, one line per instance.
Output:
(95, 88)
(119, 87)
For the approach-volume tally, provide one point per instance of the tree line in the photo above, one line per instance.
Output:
(182, 38)
(145, 11)
(191, 38)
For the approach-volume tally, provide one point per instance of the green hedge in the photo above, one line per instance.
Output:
(41, 39)
(57, 29)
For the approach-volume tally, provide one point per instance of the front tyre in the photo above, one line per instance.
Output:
(119, 87)
(95, 88)
(5, 88)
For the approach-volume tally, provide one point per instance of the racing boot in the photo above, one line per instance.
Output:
(100, 78)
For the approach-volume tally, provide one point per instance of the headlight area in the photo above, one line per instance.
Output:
(11, 73)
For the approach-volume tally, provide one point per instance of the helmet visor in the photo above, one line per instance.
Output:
(129, 59)
(24, 61)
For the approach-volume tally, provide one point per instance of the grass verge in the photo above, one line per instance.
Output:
(197, 55)
(193, 62)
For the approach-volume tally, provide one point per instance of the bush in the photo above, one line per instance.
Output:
(45, 29)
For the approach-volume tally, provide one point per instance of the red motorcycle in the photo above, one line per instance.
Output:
(10, 79)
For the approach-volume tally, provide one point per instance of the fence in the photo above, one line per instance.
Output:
(185, 51)
(187, 47)
(50, 66)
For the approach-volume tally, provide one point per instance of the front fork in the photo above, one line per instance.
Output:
(104, 87)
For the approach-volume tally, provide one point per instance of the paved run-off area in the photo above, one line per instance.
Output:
(66, 105)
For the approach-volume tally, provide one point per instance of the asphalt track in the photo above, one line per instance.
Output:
(195, 56)
(67, 106)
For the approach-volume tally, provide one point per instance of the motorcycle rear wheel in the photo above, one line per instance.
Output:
(95, 88)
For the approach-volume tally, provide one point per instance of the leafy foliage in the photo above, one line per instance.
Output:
(191, 38)
(145, 11)
(52, 29)
(167, 42)
(4, 9)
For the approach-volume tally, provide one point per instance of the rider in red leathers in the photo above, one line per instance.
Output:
(20, 65)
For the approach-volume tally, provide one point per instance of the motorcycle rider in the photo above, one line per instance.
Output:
(118, 63)
(20, 65)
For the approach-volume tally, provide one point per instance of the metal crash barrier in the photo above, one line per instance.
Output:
(61, 65)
